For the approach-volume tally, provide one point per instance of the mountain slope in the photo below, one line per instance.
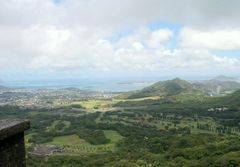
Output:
(232, 99)
(166, 88)
(219, 85)
(226, 78)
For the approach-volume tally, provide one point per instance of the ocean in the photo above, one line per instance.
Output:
(112, 85)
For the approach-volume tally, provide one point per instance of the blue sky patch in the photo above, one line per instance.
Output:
(227, 53)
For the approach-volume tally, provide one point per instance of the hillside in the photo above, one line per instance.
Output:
(218, 85)
(232, 99)
(226, 78)
(167, 88)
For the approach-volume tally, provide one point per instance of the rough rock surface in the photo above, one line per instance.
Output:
(12, 148)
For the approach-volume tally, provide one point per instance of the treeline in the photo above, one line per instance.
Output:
(93, 136)
(84, 126)
(168, 151)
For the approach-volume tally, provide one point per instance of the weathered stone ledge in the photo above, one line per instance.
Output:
(12, 127)
(12, 146)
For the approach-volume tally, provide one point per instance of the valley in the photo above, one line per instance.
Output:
(170, 123)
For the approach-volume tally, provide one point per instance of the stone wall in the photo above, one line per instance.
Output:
(12, 148)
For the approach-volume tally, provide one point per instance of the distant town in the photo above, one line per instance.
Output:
(48, 98)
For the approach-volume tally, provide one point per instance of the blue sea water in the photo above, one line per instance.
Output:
(113, 85)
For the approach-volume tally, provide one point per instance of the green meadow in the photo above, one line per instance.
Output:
(73, 145)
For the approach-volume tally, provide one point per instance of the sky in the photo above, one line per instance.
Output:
(42, 39)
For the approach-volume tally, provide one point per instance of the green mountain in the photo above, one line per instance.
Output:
(226, 78)
(232, 99)
(167, 88)
(218, 85)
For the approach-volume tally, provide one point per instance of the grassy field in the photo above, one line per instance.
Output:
(52, 127)
(27, 137)
(94, 104)
(169, 123)
(73, 145)
(108, 103)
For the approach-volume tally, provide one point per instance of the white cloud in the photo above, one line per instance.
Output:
(74, 49)
(73, 35)
(212, 39)
(159, 36)
(50, 47)
(120, 13)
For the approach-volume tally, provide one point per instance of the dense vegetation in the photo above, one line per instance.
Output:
(171, 131)
(165, 88)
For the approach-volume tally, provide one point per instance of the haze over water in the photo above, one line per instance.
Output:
(113, 85)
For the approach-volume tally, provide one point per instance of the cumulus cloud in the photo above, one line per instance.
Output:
(75, 49)
(76, 35)
(116, 13)
(213, 39)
